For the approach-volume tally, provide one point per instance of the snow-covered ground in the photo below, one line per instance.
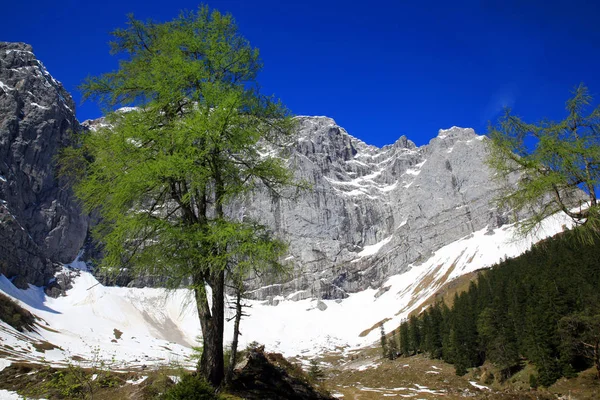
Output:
(127, 327)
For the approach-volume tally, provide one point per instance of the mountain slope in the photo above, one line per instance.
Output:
(40, 222)
(158, 327)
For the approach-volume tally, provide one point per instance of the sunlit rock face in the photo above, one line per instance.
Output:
(371, 212)
(40, 222)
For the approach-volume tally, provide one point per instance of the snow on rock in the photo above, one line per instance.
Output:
(374, 248)
(478, 386)
(159, 326)
(10, 395)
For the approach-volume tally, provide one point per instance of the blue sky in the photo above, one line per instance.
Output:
(381, 69)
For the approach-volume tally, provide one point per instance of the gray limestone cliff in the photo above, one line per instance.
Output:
(41, 224)
(371, 212)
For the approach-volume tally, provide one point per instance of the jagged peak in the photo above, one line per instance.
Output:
(455, 131)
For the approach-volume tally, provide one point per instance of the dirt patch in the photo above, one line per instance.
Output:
(44, 346)
(376, 326)
(117, 333)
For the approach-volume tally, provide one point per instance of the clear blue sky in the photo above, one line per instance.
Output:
(381, 69)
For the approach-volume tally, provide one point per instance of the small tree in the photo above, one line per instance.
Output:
(404, 339)
(315, 372)
(161, 175)
(556, 165)
(383, 341)
(581, 336)
(393, 346)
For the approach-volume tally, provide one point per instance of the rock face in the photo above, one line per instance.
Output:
(40, 222)
(372, 212)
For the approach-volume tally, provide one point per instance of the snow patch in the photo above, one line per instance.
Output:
(40, 106)
(478, 386)
(5, 87)
(374, 248)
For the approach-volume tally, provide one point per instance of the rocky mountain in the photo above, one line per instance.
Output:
(41, 224)
(371, 212)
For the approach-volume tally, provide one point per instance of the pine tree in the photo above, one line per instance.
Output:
(404, 339)
(383, 341)
(414, 334)
(393, 346)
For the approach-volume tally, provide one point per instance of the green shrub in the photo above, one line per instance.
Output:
(190, 387)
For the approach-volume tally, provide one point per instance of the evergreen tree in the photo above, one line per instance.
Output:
(161, 175)
(383, 341)
(393, 346)
(404, 339)
(414, 334)
(580, 334)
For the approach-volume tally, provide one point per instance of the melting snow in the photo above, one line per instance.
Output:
(374, 248)
(40, 106)
(10, 395)
(159, 326)
(478, 386)
(5, 87)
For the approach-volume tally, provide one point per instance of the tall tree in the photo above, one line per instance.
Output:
(162, 174)
(581, 335)
(557, 165)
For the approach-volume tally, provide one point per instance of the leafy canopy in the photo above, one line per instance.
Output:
(161, 174)
(556, 165)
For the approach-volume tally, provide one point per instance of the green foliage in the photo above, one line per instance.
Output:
(315, 372)
(161, 176)
(393, 346)
(190, 387)
(533, 382)
(541, 307)
(580, 334)
(404, 339)
(558, 165)
(383, 342)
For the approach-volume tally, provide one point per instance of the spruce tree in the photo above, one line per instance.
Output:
(383, 341)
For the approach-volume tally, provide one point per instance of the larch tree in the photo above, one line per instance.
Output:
(161, 174)
(556, 165)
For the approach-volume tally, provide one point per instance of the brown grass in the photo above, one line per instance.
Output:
(376, 326)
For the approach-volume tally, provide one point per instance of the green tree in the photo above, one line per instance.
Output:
(580, 334)
(404, 339)
(557, 165)
(414, 334)
(383, 341)
(162, 175)
(393, 346)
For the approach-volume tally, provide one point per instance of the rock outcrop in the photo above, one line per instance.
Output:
(369, 213)
(269, 376)
(372, 212)
(41, 224)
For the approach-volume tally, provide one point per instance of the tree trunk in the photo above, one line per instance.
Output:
(236, 333)
(597, 357)
(211, 365)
